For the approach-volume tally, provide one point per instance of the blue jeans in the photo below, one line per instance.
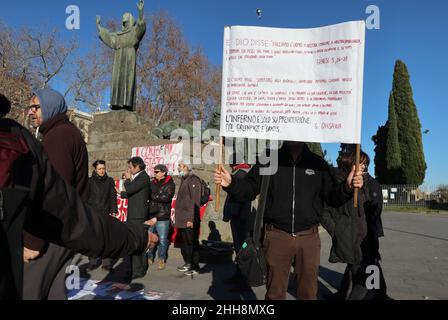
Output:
(162, 229)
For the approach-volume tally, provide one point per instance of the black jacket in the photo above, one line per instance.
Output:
(138, 192)
(39, 201)
(374, 206)
(234, 209)
(355, 232)
(102, 194)
(346, 226)
(162, 193)
(296, 193)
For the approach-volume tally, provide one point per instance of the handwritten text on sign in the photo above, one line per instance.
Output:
(167, 154)
(293, 84)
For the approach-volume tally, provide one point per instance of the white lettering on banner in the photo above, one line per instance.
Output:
(293, 84)
(167, 154)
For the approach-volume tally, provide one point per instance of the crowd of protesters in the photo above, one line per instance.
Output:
(68, 212)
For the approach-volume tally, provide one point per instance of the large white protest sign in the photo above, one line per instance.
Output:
(293, 84)
(167, 154)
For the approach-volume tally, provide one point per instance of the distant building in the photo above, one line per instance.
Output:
(82, 120)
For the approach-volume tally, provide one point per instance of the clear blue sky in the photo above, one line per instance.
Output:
(413, 31)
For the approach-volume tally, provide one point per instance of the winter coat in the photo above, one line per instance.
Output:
(346, 225)
(102, 194)
(162, 193)
(66, 149)
(67, 153)
(138, 191)
(38, 200)
(296, 191)
(188, 201)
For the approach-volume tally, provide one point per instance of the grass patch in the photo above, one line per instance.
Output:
(415, 209)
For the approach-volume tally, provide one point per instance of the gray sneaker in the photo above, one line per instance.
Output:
(191, 272)
(184, 268)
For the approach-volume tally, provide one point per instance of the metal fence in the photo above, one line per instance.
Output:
(433, 197)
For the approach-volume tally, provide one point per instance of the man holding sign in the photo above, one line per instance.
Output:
(294, 85)
(294, 202)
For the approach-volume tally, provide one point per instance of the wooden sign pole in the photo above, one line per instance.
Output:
(219, 167)
(358, 152)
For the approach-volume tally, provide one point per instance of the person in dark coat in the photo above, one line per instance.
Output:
(187, 218)
(355, 233)
(138, 191)
(162, 193)
(238, 213)
(33, 197)
(103, 199)
(44, 277)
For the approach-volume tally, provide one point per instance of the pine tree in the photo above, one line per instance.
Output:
(393, 153)
(413, 165)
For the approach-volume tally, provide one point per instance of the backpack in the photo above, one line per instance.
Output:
(205, 192)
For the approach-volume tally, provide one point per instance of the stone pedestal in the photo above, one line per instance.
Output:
(112, 136)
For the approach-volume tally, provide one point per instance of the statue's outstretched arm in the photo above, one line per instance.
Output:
(140, 6)
(141, 24)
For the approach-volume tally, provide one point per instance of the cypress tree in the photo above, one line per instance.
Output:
(413, 165)
(380, 139)
(393, 153)
(399, 157)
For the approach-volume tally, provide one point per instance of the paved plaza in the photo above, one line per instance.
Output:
(414, 252)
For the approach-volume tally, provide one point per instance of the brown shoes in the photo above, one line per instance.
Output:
(161, 265)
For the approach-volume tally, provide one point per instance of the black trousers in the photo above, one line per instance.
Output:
(105, 262)
(190, 246)
(238, 225)
(353, 286)
(139, 264)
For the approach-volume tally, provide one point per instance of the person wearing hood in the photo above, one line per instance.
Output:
(103, 199)
(44, 277)
(33, 197)
(162, 193)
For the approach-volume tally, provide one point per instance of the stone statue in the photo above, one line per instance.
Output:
(125, 44)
